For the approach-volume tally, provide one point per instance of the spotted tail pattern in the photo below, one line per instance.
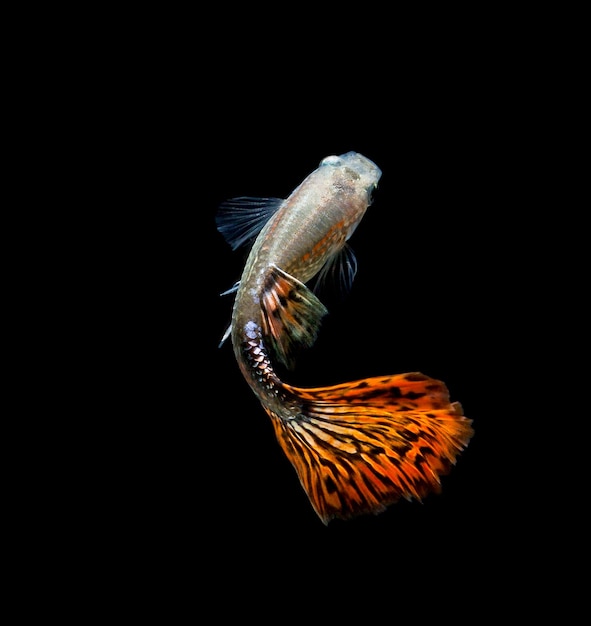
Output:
(358, 447)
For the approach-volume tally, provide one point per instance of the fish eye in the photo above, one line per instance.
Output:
(370, 191)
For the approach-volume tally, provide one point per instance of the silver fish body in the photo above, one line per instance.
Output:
(310, 228)
(316, 219)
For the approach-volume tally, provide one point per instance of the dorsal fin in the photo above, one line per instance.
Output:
(241, 219)
(291, 314)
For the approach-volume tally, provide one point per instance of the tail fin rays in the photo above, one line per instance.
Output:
(360, 446)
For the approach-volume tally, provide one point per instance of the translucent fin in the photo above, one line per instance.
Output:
(240, 220)
(226, 335)
(338, 272)
(291, 314)
(233, 289)
(360, 446)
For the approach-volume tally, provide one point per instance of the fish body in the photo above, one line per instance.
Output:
(357, 447)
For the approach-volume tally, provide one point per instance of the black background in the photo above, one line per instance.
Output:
(198, 475)
(178, 484)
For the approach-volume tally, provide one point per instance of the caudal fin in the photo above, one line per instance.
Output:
(360, 446)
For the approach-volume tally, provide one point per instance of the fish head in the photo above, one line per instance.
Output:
(360, 176)
(366, 169)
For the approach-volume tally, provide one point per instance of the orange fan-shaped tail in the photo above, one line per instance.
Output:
(360, 446)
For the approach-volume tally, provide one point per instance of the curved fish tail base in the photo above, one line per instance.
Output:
(358, 447)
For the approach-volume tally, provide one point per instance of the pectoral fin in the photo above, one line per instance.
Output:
(337, 273)
(291, 315)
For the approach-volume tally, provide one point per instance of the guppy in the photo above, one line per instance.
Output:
(359, 446)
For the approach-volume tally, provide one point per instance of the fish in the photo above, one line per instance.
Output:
(357, 447)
